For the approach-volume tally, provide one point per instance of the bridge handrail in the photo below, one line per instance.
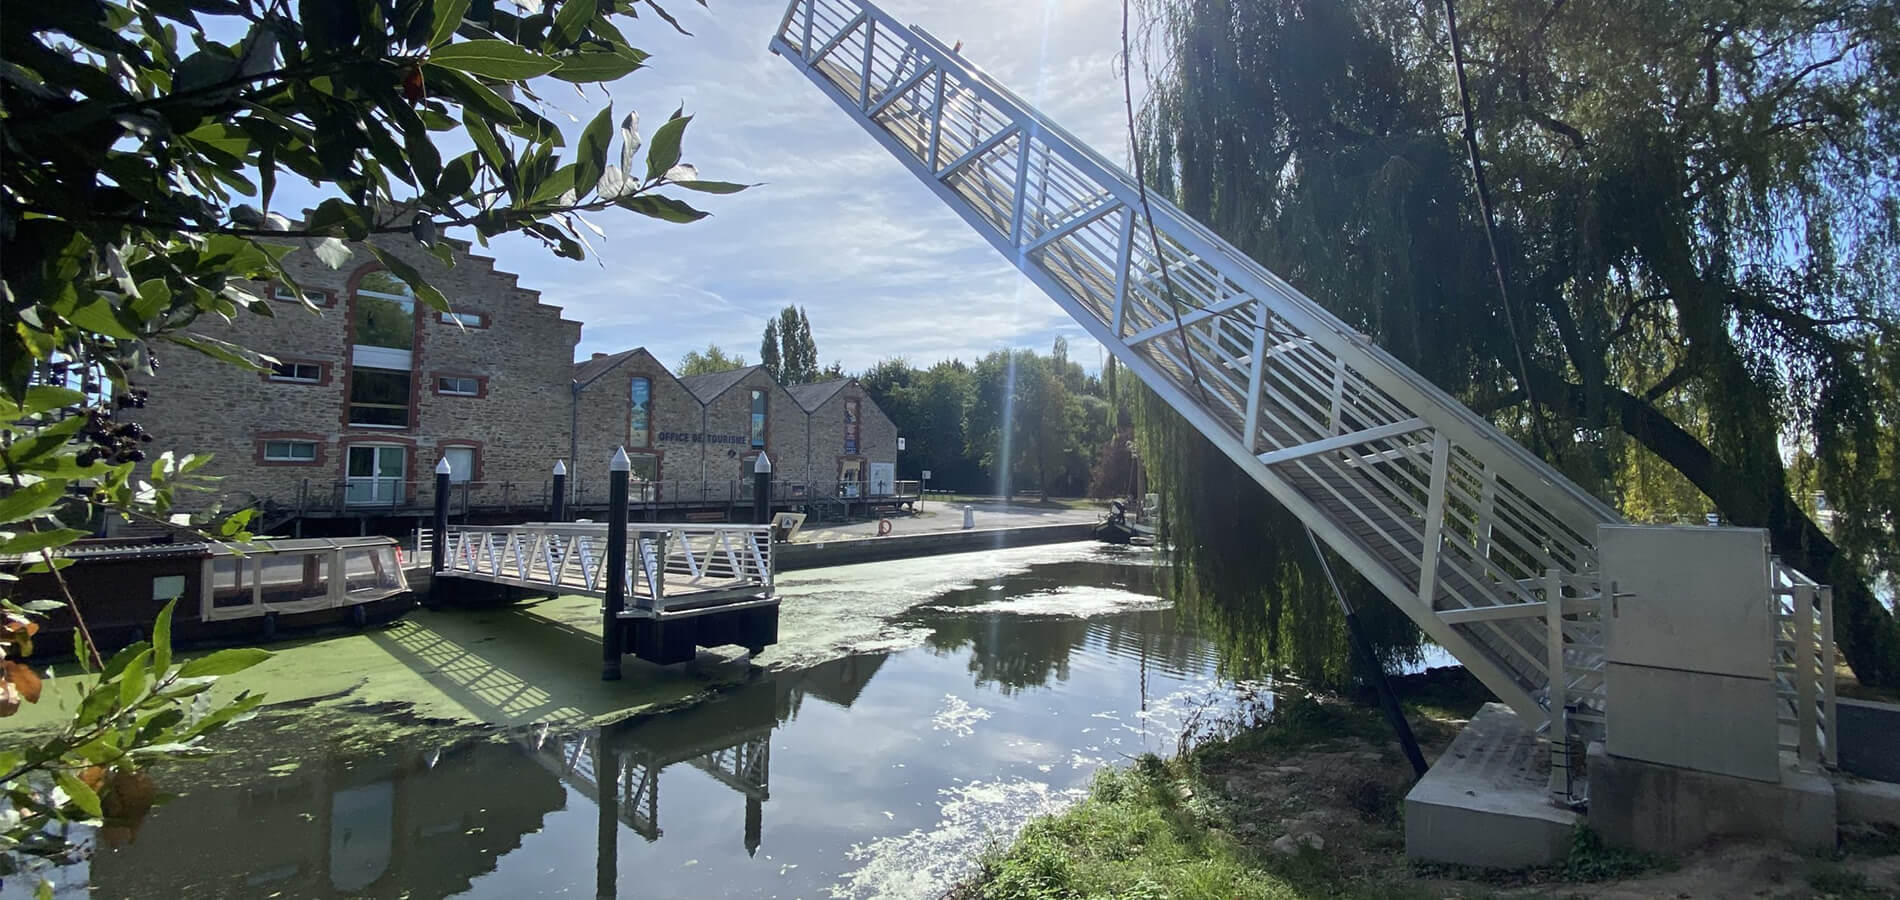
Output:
(692, 559)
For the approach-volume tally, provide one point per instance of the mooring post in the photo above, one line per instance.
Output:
(762, 490)
(560, 492)
(438, 548)
(610, 633)
(607, 787)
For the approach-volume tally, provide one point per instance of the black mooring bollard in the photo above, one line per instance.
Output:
(438, 548)
(610, 629)
(762, 490)
(560, 492)
(607, 858)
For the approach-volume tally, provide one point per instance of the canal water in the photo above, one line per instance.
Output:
(997, 684)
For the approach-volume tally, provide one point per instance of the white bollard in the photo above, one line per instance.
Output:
(969, 517)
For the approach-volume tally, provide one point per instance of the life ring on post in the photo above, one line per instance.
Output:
(883, 527)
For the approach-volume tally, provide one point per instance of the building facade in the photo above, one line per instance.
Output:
(372, 389)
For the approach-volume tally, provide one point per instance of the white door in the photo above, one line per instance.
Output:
(375, 475)
(883, 479)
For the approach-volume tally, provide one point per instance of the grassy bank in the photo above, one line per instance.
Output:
(1308, 803)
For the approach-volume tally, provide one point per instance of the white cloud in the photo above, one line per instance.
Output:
(882, 267)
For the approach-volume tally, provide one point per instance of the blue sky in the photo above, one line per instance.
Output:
(838, 226)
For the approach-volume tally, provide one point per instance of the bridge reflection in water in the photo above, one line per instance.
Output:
(433, 821)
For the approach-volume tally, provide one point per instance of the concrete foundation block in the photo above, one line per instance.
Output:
(1484, 802)
(1664, 809)
(1867, 802)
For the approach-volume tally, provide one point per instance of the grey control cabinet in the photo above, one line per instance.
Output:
(1689, 672)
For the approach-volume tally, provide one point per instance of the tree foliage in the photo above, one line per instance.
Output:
(142, 147)
(1697, 221)
(707, 361)
(789, 352)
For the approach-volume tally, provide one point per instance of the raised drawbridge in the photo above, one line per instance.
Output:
(1491, 551)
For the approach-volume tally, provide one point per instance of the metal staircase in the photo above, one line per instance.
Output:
(1471, 535)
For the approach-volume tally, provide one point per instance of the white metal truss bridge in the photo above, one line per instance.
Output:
(1487, 548)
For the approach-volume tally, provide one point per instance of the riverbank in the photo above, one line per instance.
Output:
(1307, 803)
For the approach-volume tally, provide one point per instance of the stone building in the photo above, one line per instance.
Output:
(373, 389)
(743, 413)
(852, 443)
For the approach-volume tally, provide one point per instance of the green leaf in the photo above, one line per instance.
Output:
(448, 16)
(39, 399)
(664, 208)
(664, 152)
(121, 659)
(572, 19)
(591, 66)
(484, 138)
(135, 679)
(558, 182)
(713, 187)
(457, 177)
(493, 59)
(473, 95)
(425, 291)
(162, 639)
(100, 317)
(224, 662)
(219, 350)
(333, 252)
(30, 500)
(43, 441)
(81, 793)
(591, 156)
(35, 541)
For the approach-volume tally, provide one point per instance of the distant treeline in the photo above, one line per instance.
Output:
(1013, 420)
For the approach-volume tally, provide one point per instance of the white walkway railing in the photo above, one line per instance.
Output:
(670, 568)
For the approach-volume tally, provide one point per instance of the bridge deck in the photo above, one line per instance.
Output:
(673, 571)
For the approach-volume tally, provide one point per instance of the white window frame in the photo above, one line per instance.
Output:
(456, 476)
(294, 379)
(464, 319)
(290, 442)
(282, 294)
(475, 383)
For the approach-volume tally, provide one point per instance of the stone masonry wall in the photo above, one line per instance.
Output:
(606, 419)
(519, 354)
(731, 414)
(877, 437)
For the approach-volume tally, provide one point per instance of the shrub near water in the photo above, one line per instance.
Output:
(1133, 837)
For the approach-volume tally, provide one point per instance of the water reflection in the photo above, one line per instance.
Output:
(338, 827)
(869, 775)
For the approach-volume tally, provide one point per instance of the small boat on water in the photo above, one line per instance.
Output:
(1116, 528)
(226, 592)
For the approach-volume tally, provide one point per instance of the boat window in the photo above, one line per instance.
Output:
(230, 584)
(293, 577)
(371, 569)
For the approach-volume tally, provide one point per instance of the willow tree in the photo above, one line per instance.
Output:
(1697, 221)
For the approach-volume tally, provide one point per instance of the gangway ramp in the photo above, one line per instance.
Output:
(686, 585)
(1469, 533)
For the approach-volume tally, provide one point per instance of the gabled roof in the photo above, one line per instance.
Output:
(588, 370)
(812, 396)
(709, 387)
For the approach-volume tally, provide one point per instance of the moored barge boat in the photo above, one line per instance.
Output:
(253, 591)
